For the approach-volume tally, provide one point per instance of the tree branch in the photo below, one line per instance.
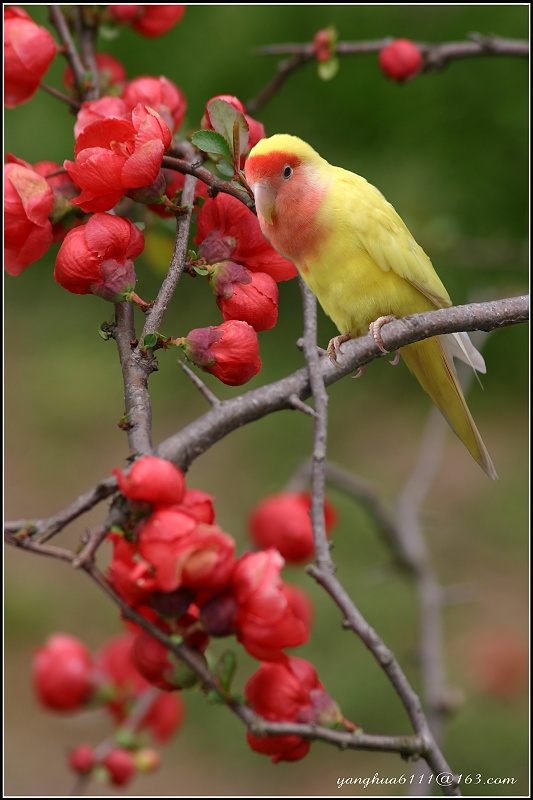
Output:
(436, 56)
(226, 416)
(136, 367)
(406, 746)
(185, 446)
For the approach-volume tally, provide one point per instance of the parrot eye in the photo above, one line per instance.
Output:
(287, 172)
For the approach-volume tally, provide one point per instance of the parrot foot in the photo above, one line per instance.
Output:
(334, 346)
(375, 328)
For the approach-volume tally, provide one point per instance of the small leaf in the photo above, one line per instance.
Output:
(226, 169)
(225, 669)
(108, 31)
(328, 69)
(104, 331)
(201, 270)
(223, 117)
(211, 142)
(150, 340)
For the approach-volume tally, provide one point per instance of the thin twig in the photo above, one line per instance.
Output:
(43, 529)
(154, 315)
(58, 20)
(210, 396)
(184, 166)
(324, 570)
(74, 104)
(320, 403)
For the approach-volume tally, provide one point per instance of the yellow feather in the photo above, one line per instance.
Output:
(361, 261)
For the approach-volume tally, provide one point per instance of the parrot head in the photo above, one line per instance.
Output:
(287, 179)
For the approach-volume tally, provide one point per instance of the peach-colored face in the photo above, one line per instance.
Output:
(287, 195)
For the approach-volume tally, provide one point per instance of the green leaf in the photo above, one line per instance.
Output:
(328, 69)
(108, 31)
(211, 142)
(231, 124)
(226, 169)
(150, 340)
(201, 270)
(104, 331)
(225, 669)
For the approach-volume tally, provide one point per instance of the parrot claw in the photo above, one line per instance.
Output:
(360, 371)
(334, 346)
(375, 328)
(395, 361)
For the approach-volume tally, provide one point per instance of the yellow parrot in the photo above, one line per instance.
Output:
(360, 260)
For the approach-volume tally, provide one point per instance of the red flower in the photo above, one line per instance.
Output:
(152, 480)
(266, 619)
(63, 673)
(96, 110)
(148, 20)
(121, 766)
(229, 351)
(200, 505)
(499, 662)
(285, 692)
(81, 759)
(401, 60)
(256, 128)
(227, 230)
(241, 294)
(160, 94)
(111, 75)
(29, 50)
(164, 717)
(282, 521)
(185, 552)
(114, 155)
(121, 684)
(130, 576)
(159, 665)
(97, 258)
(28, 201)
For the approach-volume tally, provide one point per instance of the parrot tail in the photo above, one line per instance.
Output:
(435, 372)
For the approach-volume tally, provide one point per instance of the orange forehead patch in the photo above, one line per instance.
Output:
(269, 165)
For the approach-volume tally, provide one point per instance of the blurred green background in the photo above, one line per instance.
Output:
(450, 151)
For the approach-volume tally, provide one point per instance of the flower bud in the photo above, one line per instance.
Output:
(148, 20)
(29, 50)
(229, 351)
(63, 673)
(248, 296)
(120, 764)
(400, 60)
(283, 521)
(153, 480)
(81, 759)
(97, 258)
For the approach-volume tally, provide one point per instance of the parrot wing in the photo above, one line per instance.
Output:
(385, 237)
(387, 240)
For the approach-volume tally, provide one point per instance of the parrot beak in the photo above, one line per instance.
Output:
(265, 200)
